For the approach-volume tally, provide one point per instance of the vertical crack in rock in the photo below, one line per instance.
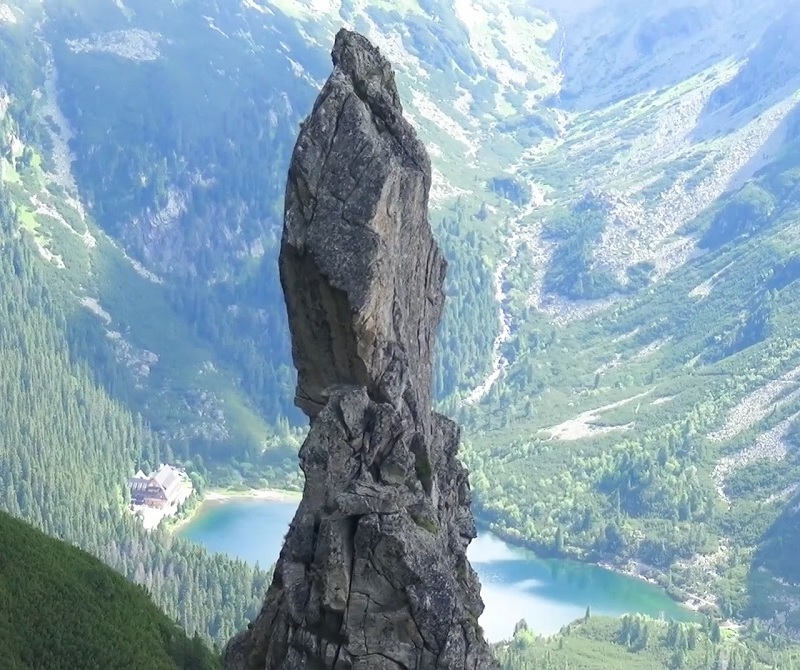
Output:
(373, 573)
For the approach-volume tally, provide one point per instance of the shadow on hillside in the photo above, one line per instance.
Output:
(657, 52)
(772, 148)
(207, 378)
(773, 580)
(769, 74)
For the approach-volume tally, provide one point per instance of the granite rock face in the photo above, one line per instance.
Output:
(373, 573)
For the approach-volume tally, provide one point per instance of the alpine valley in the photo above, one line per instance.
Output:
(616, 186)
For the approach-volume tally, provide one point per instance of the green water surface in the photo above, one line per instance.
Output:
(515, 583)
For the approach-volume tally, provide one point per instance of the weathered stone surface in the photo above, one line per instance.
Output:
(373, 574)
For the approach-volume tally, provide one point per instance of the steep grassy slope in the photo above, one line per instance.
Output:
(62, 609)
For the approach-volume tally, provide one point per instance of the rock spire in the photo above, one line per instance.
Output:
(373, 574)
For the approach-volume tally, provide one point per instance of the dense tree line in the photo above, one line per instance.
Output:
(595, 506)
(66, 450)
(63, 609)
(21, 57)
(469, 323)
(577, 231)
(638, 643)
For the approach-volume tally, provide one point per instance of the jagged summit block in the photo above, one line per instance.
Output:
(373, 574)
(360, 269)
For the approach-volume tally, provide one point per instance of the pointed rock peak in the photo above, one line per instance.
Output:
(371, 74)
(361, 272)
(373, 574)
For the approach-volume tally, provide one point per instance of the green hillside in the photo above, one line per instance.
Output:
(77, 387)
(664, 429)
(68, 446)
(62, 609)
(615, 187)
(639, 643)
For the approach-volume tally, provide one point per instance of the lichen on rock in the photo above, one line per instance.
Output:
(373, 573)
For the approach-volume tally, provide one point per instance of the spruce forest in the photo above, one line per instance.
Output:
(616, 186)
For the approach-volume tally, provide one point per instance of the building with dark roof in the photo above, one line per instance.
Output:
(161, 489)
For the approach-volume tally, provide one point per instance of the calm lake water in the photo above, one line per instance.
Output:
(516, 584)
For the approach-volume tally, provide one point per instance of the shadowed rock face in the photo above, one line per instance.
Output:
(373, 573)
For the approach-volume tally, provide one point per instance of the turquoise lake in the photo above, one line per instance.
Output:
(516, 585)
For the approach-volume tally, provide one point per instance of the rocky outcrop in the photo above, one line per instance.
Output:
(373, 573)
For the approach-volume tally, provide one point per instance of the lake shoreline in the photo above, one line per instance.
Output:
(274, 495)
(515, 583)
(634, 569)
(215, 496)
(642, 572)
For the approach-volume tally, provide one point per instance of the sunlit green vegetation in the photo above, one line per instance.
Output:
(63, 609)
(639, 643)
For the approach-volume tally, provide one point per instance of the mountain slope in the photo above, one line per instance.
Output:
(67, 447)
(638, 643)
(649, 365)
(186, 386)
(614, 185)
(63, 609)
